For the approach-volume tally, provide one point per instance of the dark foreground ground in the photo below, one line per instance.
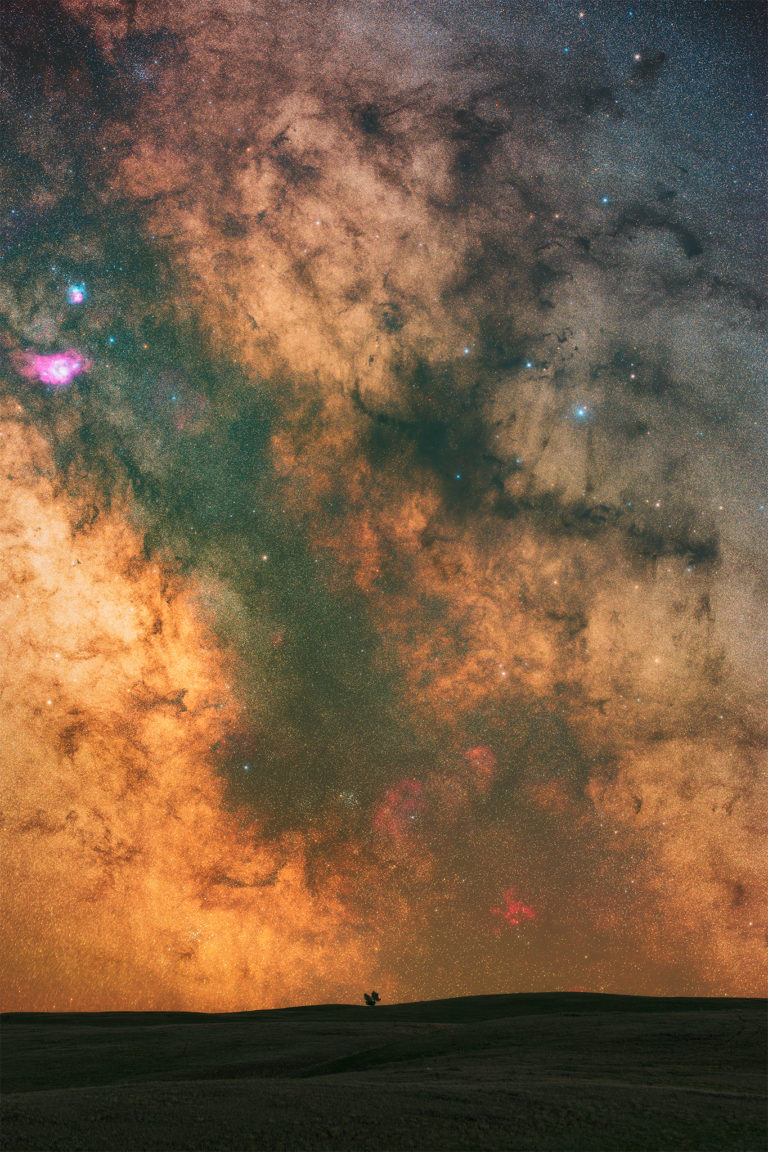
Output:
(547, 1071)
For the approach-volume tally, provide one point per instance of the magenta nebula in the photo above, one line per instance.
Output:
(514, 910)
(57, 369)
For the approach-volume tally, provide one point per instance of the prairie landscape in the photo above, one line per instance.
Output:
(541, 1071)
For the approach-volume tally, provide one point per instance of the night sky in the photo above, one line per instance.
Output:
(383, 496)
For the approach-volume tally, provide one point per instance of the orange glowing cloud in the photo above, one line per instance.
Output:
(126, 881)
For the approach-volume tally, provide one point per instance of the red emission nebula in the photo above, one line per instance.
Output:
(513, 910)
(383, 498)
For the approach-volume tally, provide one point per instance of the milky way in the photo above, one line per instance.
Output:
(384, 501)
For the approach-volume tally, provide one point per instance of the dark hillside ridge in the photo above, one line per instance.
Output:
(550, 1071)
(453, 1008)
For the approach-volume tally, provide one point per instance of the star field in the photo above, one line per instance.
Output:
(383, 433)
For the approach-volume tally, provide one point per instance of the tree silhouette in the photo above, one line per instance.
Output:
(371, 1000)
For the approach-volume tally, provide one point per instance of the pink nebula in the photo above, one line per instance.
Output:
(482, 764)
(76, 293)
(399, 808)
(56, 369)
(514, 911)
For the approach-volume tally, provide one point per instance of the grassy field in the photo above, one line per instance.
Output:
(547, 1071)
